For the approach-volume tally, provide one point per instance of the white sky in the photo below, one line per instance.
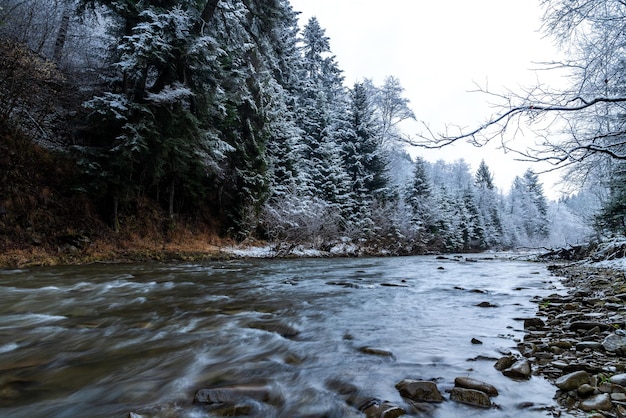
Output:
(440, 50)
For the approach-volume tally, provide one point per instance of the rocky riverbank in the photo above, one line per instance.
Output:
(578, 341)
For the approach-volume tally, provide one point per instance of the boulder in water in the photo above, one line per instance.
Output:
(470, 397)
(520, 370)
(419, 390)
(469, 383)
(233, 394)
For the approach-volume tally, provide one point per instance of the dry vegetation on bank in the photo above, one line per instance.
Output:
(45, 220)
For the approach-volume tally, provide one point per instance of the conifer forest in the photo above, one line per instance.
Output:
(234, 117)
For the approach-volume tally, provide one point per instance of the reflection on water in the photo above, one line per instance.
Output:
(105, 340)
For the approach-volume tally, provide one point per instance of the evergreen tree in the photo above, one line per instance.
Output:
(418, 197)
(528, 210)
(488, 206)
(323, 119)
(363, 155)
(484, 178)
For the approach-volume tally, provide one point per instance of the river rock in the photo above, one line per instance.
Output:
(588, 326)
(486, 305)
(389, 410)
(573, 380)
(519, 370)
(376, 351)
(591, 345)
(233, 394)
(375, 408)
(505, 362)
(284, 330)
(615, 343)
(419, 390)
(533, 323)
(601, 402)
(618, 397)
(469, 383)
(585, 390)
(618, 379)
(470, 397)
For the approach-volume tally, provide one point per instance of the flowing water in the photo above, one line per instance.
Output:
(103, 340)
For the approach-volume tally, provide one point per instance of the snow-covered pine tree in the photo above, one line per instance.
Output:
(322, 116)
(488, 204)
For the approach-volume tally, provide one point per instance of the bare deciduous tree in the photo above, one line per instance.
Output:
(577, 126)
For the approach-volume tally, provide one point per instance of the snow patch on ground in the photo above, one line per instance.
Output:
(271, 251)
(616, 264)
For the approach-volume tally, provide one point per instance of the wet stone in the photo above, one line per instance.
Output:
(469, 383)
(505, 362)
(618, 379)
(533, 323)
(470, 397)
(419, 390)
(600, 402)
(573, 380)
(283, 330)
(232, 394)
(375, 408)
(615, 343)
(618, 397)
(589, 345)
(585, 390)
(584, 325)
(520, 370)
(376, 351)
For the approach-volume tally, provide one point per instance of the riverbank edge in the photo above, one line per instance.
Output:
(185, 251)
(571, 338)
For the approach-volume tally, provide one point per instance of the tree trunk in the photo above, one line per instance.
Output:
(116, 220)
(170, 210)
(207, 14)
(59, 43)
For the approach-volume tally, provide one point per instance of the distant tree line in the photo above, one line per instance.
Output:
(227, 110)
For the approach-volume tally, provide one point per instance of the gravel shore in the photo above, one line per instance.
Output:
(578, 341)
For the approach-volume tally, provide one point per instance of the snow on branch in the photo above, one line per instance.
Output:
(170, 94)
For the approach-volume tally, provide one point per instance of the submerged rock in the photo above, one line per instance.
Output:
(284, 330)
(376, 408)
(486, 305)
(419, 390)
(234, 394)
(376, 351)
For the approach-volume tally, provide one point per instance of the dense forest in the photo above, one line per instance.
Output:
(228, 116)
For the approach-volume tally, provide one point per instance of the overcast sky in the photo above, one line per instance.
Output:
(440, 50)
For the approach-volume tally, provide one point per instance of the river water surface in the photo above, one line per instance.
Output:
(105, 340)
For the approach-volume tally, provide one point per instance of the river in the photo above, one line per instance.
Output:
(104, 340)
